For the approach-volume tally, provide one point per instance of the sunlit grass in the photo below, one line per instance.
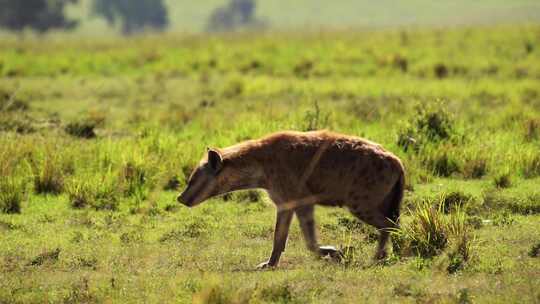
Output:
(92, 161)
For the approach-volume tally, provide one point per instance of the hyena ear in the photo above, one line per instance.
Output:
(215, 160)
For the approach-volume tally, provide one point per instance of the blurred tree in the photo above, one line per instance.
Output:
(134, 15)
(237, 14)
(40, 15)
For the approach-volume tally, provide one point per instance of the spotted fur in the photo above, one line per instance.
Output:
(303, 169)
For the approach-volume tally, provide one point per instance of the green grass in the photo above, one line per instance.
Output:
(94, 218)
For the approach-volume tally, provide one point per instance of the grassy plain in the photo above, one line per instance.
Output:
(97, 138)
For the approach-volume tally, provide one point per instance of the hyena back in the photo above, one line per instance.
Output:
(303, 169)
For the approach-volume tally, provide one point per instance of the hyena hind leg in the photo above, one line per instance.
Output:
(383, 225)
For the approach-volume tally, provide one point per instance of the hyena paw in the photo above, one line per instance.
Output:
(380, 255)
(265, 265)
(331, 251)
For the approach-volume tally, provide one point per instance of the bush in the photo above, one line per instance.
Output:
(11, 195)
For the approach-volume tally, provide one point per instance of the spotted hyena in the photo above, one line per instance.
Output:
(300, 170)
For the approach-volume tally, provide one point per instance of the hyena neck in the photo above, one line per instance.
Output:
(246, 161)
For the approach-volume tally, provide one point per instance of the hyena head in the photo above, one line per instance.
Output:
(204, 182)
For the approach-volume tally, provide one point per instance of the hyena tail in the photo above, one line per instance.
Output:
(392, 202)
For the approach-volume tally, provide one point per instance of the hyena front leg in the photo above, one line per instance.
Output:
(307, 224)
(283, 222)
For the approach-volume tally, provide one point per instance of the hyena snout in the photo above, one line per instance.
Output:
(184, 199)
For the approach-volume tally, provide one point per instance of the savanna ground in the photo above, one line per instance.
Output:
(97, 138)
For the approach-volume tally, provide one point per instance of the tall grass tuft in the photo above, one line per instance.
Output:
(502, 181)
(426, 234)
(532, 167)
(461, 253)
(98, 192)
(136, 178)
(441, 163)
(11, 195)
(532, 130)
(315, 118)
(48, 177)
(475, 168)
(430, 231)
